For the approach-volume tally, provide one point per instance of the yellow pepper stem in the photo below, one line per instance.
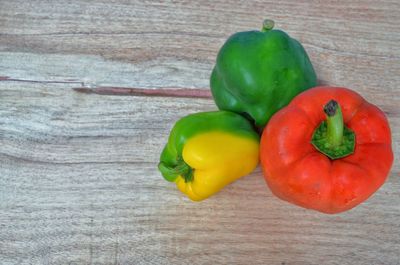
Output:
(184, 170)
(181, 169)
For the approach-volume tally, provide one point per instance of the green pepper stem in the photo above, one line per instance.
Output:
(334, 120)
(268, 24)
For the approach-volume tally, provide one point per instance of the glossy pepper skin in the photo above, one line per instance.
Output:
(259, 72)
(296, 171)
(207, 151)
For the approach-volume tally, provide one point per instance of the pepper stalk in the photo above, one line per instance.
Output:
(332, 137)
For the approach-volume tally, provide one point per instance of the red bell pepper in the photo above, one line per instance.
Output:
(328, 150)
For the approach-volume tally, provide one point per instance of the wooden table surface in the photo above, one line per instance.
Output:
(78, 170)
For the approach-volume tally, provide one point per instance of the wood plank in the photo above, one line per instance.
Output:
(375, 80)
(79, 183)
(175, 44)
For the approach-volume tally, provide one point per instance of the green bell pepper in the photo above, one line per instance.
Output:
(259, 72)
(207, 151)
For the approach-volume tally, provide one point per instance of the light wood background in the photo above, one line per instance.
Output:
(78, 176)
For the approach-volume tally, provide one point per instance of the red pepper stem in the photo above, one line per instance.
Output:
(331, 137)
(334, 120)
(268, 24)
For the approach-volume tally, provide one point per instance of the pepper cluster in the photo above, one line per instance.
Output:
(318, 145)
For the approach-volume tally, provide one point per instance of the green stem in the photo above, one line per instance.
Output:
(182, 169)
(268, 24)
(334, 120)
(332, 137)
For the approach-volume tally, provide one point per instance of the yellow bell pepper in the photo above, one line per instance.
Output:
(207, 151)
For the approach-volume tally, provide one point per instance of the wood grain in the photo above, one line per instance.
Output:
(78, 176)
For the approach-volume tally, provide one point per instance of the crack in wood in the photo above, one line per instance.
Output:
(79, 33)
(149, 92)
(66, 163)
(124, 91)
(72, 81)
